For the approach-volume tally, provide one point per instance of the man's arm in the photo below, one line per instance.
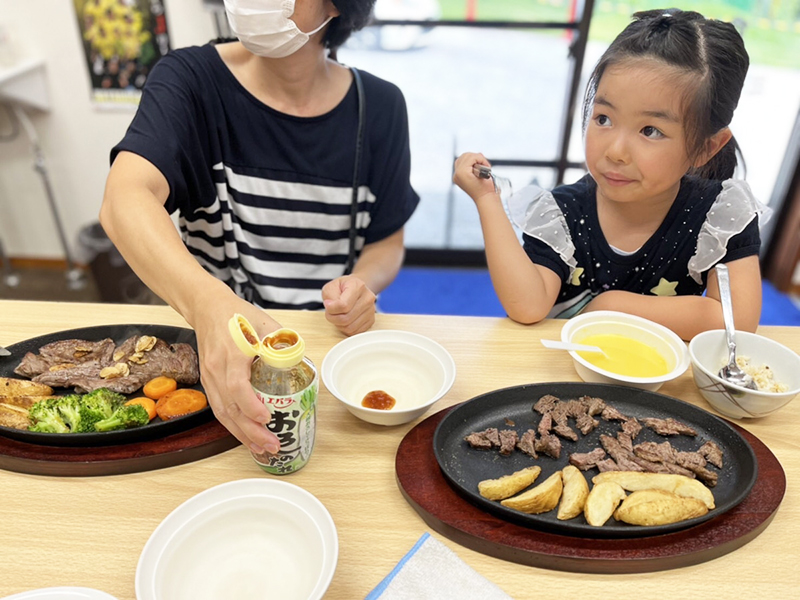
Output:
(134, 217)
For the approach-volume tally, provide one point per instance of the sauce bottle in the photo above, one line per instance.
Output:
(287, 383)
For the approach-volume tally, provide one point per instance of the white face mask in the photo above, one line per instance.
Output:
(264, 26)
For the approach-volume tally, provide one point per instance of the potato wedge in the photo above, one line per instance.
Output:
(573, 498)
(543, 498)
(22, 402)
(677, 484)
(508, 485)
(14, 418)
(602, 501)
(23, 387)
(658, 507)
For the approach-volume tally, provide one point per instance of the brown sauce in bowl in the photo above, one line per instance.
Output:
(379, 400)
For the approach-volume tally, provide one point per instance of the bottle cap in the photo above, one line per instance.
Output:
(244, 335)
(282, 348)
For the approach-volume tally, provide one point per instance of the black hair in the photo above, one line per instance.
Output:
(711, 50)
(353, 15)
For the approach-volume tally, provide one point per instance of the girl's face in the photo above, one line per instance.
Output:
(635, 140)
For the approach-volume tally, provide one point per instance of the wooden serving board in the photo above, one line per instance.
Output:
(202, 441)
(447, 512)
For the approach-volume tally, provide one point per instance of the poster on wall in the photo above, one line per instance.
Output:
(122, 40)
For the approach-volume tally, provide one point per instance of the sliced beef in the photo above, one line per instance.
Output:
(548, 444)
(712, 452)
(508, 441)
(594, 406)
(586, 423)
(78, 364)
(625, 441)
(663, 452)
(612, 414)
(64, 354)
(527, 443)
(545, 424)
(587, 460)
(608, 464)
(668, 426)
(624, 458)
(632, 427)
(545, 404)
(484, 440)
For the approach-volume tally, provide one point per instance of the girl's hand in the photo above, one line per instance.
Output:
(464, 178)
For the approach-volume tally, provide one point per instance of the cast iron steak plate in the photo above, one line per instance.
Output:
(156, 429)
(464, 466)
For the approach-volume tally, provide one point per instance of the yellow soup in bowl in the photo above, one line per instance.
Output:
(624, 356)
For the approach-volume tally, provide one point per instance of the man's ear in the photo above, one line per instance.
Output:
(713, 145)
(331, 9)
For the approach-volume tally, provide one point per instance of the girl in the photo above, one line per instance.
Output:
(643, 230)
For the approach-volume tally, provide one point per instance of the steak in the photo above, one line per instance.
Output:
(484, 440)
(587, 460)
(527, 443)
(712, 452)
(508, 441)
(668, 426)
(80, 364)
(66, 353)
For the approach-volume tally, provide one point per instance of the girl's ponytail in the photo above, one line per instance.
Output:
(723, 164)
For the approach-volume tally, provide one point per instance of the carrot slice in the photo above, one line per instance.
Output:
(158, 386)
(180, 402)
(148, 403)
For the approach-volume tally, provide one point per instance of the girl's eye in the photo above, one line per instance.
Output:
(602, 120)
(651, 132)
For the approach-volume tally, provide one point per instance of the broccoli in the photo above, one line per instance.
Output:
(126, 416)
(69, 408)
(100, 404)
(46, 417)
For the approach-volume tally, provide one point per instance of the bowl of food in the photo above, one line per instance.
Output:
(774, 368)
(636, 352)
(388, 377)
(251, 538)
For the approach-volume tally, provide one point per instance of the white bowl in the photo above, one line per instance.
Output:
(246, 539)
(413, 369)
(709, 352)
(663, 340)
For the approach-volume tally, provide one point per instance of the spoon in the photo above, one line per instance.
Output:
(570, 346)
(730, 372)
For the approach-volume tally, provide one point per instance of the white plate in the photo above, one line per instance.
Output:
(61, 593)
(252, 538)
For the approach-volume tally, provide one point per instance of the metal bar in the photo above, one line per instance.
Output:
(480, 24)
(549, 164)
(578, 52)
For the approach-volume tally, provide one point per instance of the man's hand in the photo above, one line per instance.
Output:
(349, 304)
(225, 373)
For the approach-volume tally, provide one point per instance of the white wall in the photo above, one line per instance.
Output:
(75, 136)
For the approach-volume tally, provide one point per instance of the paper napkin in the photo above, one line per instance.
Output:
(432, 571)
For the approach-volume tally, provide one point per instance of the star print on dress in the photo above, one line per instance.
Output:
(665, 288)
(576, 276)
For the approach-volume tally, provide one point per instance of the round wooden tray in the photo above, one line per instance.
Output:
(187, 446)
(441, 507)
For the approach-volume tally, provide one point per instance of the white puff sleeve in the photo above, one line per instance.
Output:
(732, 211)
(535, 211)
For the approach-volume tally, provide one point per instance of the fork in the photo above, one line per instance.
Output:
(502, 185)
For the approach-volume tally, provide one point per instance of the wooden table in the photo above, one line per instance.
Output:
(89, 531)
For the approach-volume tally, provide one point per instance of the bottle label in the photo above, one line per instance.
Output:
(294, 422)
